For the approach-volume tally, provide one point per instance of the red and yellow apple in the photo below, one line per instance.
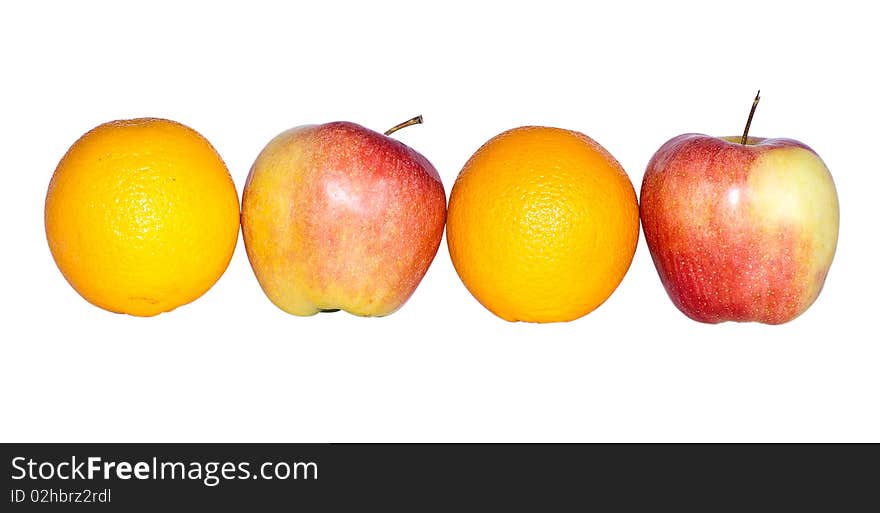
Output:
(739, 232)
(339, 217)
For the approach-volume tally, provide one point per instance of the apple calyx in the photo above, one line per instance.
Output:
(745, 137)
(409, 122)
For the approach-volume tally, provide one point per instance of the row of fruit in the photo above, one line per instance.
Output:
(142, 216)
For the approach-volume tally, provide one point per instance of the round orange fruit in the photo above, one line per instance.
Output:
(542, 224)
(141, 216)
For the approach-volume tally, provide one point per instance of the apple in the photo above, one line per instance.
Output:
(739, 228)
(339, 217)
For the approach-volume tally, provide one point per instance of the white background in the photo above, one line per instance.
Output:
(233, 367)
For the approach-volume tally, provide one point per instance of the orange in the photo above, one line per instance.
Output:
(141, 216)
(543, 224)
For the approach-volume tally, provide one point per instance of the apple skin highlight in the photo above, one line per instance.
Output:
(739, 232)
(337, 216)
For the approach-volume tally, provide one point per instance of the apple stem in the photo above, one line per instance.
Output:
(751, 115)
(409, 122)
